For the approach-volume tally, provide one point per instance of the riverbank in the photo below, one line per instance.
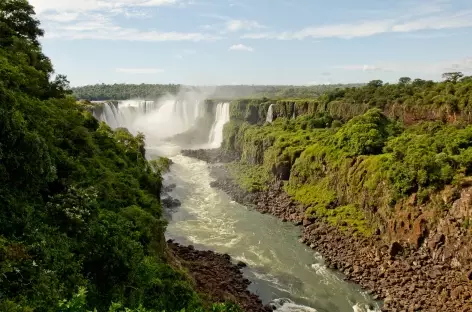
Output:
(217, 277)
(211, 155)
(406, 279)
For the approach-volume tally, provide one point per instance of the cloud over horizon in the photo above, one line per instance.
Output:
(241, 47)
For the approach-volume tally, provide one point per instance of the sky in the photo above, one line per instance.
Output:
(223, 42)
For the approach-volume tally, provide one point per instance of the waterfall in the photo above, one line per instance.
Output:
(123, 113)
(270, 113)
(216, 133)
(172, 122)
(163, 118)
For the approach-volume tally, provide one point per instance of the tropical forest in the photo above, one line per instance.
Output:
(155, 197)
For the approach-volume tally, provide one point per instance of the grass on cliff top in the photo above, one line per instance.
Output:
(251, 178)
(322, 202)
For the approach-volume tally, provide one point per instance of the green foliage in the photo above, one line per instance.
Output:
(348, 217)
(251, 178)
(318, 196)
(365, 134)
(78, 304)
(80, 202)
(429, 156)
(345, 173)
(161, 164)
(103, 92)
(409, 101)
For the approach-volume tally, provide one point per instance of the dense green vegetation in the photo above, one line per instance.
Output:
(409, 100)
(251, 177)
(102, 92)
(347, 156)
(78, 303)
(80, 217)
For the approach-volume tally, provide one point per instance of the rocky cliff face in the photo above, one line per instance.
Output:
(409, 242)
(254, 111)
(406, 278)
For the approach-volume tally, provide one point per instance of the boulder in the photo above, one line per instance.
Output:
(395, 249)
(170, 202)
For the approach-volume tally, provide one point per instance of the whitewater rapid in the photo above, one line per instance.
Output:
(283, 272)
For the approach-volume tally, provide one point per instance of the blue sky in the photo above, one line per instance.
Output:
(300, 42)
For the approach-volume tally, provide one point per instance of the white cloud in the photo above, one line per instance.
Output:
(361, 29)
(136, 71)
(240, 4)
(93, 31)
(237, 25)
(228, 25)
(100, 26)
(207, 27)
(152, 3)
(61, 17)
(95, 19)
(240, 47)
(365, 67)
(136, 14)
(345, 31)
(42, 6)
(445, 21)
(464, 65)
(426, 17)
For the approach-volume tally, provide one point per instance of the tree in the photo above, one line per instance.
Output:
(375, 83)
(453, 76)
(418, 82)
(79, 202)
(466, 79)
(404, 80)
(19, 40)
(16, 20)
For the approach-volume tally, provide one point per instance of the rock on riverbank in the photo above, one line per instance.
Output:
(407, 280)
(217, 277)
(211, 155)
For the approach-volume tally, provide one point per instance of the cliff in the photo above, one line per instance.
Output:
(378, 194)
(371, 174)
(408, 101)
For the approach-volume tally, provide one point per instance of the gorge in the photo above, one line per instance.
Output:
(283, 272)
(309, 162)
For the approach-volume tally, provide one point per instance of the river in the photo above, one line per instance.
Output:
(283, 271)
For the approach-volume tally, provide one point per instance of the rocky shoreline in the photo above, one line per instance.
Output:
(405, 279)
(217, 277)
(211, 156)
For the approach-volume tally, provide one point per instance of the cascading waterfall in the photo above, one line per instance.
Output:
(270, 113)
(216, 133)
(123, 113)
(161, 119)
